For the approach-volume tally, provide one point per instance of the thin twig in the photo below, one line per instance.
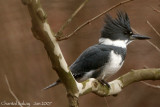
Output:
(152, 44)
(156, 10)
(157, 48)
(12, 91)
(94, 18)
(150, 85)
(60, 32)
(105, 98)
(153, 28)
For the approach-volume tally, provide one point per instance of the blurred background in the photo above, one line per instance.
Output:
(24, 61)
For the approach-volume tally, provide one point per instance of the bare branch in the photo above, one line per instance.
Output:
(60, 32)
(158, 49)
(42, 31)
(156, 10)
(153, 28)
(12, 93)
(151, 85)
(105, 98)
(118, 84)
(94, 18)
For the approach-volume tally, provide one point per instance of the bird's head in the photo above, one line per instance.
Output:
(118, 30)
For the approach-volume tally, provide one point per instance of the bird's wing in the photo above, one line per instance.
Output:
(92, 58)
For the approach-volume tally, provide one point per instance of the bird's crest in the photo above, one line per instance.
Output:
(113, 26)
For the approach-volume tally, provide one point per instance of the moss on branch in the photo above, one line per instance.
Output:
(116, 86)
(42, 31)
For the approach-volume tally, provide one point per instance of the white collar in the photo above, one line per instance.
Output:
(117, 43)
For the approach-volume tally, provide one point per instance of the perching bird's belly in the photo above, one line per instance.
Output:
(110, 68)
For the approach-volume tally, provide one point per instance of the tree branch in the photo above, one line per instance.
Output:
(60, 32)
(151, 85)
(156, 10)
(153, 28)
(156, 47)
(41, 30)
(92, 19)
(12, 93)
(118, 84)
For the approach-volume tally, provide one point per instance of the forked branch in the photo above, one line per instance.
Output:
(41, 30)
(92, 19)
(60, 32)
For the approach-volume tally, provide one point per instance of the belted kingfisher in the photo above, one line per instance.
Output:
(104, 59)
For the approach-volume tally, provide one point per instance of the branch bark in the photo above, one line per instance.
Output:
(118, 84)
(41, 30)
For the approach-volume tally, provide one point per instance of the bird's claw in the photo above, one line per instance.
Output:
(104, 83)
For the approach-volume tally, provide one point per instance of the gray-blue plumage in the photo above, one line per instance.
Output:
(94, 59)
(104, 59)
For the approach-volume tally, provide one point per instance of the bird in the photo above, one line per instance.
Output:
(105, 58)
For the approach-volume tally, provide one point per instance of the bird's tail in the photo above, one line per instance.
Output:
(52, 85)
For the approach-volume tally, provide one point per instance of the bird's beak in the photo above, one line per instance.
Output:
(139, 37)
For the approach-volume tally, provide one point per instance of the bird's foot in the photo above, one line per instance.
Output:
(104, 83)
(115, 95)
